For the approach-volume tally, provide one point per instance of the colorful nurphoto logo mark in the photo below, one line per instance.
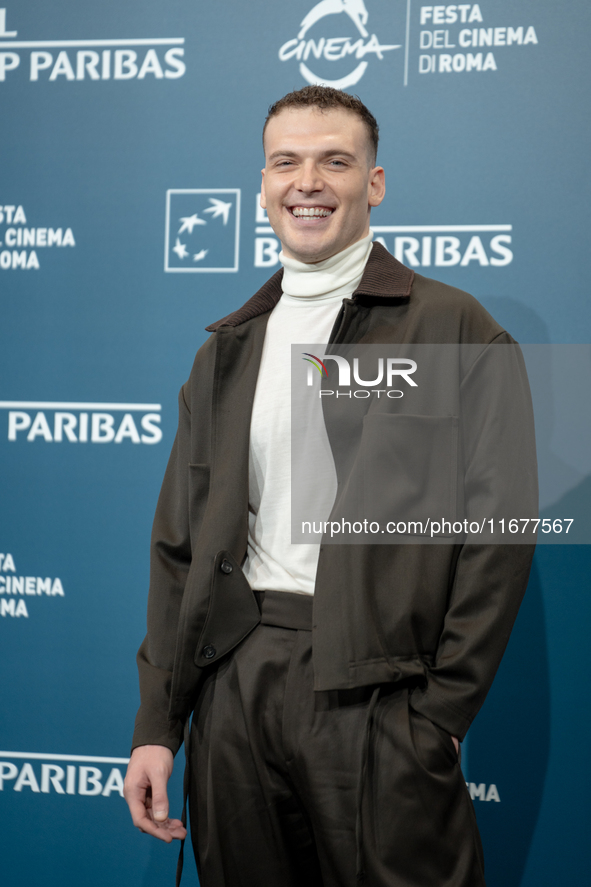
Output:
(316, 362)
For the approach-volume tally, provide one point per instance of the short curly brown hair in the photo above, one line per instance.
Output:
(325, 98)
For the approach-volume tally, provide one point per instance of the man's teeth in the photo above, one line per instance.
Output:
(310, 212)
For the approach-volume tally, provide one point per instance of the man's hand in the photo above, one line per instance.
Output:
(144, 790)
(456, 742)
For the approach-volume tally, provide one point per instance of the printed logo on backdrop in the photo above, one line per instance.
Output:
(62, 774)
(444, 246)
(18, 593)
(482, 791)
(55, 60)
(20, 241)
(202, 230)
(335, 43)
(418, 246)
(464, 39)
(81, 423)
(435, 39)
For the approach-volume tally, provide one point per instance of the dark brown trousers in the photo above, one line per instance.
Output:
(291, 788)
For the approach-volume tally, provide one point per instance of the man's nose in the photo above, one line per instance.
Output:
(309, 178)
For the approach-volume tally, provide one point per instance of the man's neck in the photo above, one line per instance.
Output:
(336, 276)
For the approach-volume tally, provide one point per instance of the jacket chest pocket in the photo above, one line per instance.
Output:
(409, 467)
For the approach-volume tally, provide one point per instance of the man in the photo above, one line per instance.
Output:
(330, 684)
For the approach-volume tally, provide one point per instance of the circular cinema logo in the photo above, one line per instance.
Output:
(334, 61)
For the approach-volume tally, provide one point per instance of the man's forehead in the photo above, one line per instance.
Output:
(310, 125)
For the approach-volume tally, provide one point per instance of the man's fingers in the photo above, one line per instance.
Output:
(156, 831)
(166, 831)
(138, 800)
(142, 819)
(177, 829)
(159, 797)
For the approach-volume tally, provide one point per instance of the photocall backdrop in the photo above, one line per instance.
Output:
(129, 160)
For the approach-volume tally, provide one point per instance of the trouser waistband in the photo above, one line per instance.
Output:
(285, 609)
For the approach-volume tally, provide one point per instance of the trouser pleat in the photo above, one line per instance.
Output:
(276, 773)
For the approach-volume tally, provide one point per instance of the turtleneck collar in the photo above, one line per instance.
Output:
(335, 277)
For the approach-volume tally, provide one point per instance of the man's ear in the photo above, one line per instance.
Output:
(263, 195)
(377, 186)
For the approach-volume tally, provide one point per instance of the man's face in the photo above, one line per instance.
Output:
(319, 183)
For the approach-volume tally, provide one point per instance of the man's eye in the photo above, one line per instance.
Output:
(337, 162)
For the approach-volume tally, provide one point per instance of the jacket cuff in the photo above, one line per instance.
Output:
(443, 713)
(155, 732)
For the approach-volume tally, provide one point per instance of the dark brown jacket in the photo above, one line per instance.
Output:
(382, 613)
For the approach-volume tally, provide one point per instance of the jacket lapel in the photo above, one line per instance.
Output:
(238, 357)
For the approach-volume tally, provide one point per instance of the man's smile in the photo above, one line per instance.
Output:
(310, 213)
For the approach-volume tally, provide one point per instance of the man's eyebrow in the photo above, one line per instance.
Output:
(331, 152)
(276, 154)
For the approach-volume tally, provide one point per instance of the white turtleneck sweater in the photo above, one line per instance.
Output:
(305, 314)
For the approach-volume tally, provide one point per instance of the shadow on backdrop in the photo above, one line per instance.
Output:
(510, 744)
(521, 321)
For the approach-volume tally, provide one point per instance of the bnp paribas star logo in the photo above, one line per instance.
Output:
(328, 56)
(202, 230)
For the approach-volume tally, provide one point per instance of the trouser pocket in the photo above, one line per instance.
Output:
(420, 822)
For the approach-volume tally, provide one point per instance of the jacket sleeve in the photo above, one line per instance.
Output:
(170, 560)
(500, 481)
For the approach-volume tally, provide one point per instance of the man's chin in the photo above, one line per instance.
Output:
(310, 252)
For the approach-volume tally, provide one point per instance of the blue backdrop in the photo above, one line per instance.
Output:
(122, 120)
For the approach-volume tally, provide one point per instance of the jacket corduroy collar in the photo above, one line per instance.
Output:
(384, 277)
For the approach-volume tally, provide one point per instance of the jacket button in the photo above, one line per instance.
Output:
(226, 567)
(208, 651)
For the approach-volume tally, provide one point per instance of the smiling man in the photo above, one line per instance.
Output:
(329, 684)
(320, 179)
